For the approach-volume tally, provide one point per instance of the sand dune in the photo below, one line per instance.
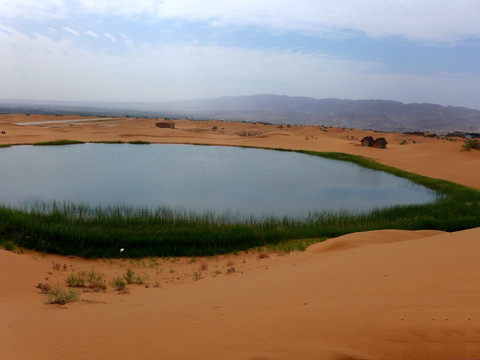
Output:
(386, 294)
(370, 238)
(406, 295)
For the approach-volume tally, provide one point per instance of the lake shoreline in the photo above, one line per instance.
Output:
(393, 294)
(436, 158)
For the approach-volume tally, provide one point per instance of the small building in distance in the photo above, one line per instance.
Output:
(380, 143)
(472, 135)
(467, 135)
(165, 125)
(367, 141)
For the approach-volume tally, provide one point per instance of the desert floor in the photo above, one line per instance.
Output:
(375, 295)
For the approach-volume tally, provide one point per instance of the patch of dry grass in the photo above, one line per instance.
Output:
(57, 294)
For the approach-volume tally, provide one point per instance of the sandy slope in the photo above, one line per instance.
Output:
(375, 295)
(393, 295)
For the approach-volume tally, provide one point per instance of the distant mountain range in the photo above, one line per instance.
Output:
(383, 115)
(361, 114)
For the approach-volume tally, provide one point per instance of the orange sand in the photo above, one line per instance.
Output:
(375, 295)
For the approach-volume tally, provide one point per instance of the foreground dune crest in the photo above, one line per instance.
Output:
(369, 238)
(406, 295)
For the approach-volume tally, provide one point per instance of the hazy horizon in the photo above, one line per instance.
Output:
(155, 51)
(121, 103)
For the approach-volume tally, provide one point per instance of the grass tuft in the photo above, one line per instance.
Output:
(129, 276)
(472, 144)
(60, 295)
(76, 279)
(7, 245)
(119, 284)
(95, 281)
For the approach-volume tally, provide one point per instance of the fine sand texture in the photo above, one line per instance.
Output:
(387, 294)
(374, 295)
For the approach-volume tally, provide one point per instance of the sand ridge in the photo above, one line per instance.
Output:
(369, 238)
(388, 294)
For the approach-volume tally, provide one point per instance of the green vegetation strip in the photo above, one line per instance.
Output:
(135, 142)
(139, 142)
(73, 142)
(58, 142)
(78, 229)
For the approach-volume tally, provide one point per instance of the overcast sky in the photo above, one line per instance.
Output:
(152, 50)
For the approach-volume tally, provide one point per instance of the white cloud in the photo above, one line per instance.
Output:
(183, 71)
(70, 30)
(127, 41)
(423, 20)
(34, 9)
(438, 20)
(110, 36)
(127, 8)
(91, 33)
(12, 40)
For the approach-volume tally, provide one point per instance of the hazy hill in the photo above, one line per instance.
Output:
(362, 114)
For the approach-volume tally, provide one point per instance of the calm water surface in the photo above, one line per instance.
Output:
(245, 181)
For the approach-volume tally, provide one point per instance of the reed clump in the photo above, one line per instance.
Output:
(100, 232)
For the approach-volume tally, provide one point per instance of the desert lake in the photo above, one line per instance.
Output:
(246, 181)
